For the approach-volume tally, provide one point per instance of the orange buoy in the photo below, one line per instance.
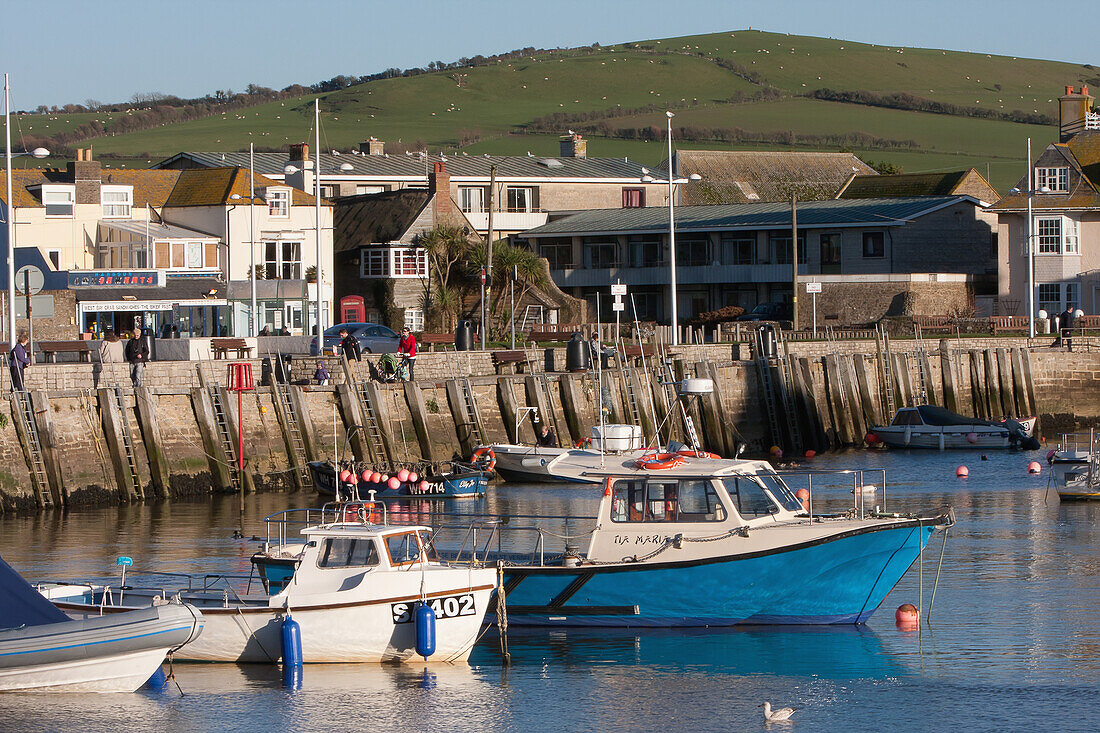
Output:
(345, 475)
(907, 616)
(803, 496)
(1034, 467)
(394, 483)
(962, 472)
(811, 453)
(774, 450)
(871, 439)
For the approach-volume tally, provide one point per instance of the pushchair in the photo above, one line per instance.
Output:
(391, 368)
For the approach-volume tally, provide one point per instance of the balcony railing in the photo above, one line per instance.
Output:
(1092, 121)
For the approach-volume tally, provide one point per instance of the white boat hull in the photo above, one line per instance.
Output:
(119, 673)
(940, 439)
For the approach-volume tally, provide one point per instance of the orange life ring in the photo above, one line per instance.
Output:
(583, 443)
(659, 461)
(365, 512)
(687, 453)
(480, 453)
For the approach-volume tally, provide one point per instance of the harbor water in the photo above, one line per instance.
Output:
(1013, 639)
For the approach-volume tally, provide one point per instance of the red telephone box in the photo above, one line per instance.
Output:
(352, 309)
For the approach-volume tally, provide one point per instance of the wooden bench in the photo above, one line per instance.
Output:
(1086, 323)
(222, 347)
(514, 358)
(637, 351)
(932, 323)
(550, 336)
(50, 349)
(431, 340)
(1003, 324)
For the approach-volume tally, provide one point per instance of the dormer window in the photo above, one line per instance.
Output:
(278, 202)
(117, 201)
(1055, 180)
(59, 201)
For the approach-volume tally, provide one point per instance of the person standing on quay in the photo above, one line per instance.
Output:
(137, 353)
(407, 347)
(18, 361)
(349, 345)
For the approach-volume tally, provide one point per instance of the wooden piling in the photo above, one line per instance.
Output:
(40, 404)
(159, 473)
(992, 393)
(837, 402)
(467, 436)
(385, 420)
(977, 384)
(1019, 391)
(1004, 393)
(1029, 381)
(947, 377)
(863, 388)
(283, 419)
(25, 443)
(929, 383)
(111, 419)
(816, 410)
(418, 411)
(851, 395)
(713, 434)
(215, 455)
(571, 406)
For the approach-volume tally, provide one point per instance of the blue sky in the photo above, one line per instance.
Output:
(109, 50)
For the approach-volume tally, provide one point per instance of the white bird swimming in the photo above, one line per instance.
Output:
(775, 716)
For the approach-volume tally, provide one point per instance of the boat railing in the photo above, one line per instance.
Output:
(281, 522)
(1088, 442)
(863, 481)
(185, 583)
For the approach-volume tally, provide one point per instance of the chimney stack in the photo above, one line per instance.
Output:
(302, 178)
(1073, 110)
(87, 177)
(299, 152)
(372, 147)
(573, 146)
(439, 185)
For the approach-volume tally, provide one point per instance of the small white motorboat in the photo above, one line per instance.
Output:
(43, 649)
(353, 585)
(928, 426)
(1075, 467)
(537, 463)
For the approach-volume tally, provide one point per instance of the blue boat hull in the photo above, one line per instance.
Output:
(455, 485)
(838, 581)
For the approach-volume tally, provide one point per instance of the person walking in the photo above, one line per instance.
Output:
(137, 353)
(350, 346)
(18, 361)
(406, 346)
(1065, 327)
(110, 349)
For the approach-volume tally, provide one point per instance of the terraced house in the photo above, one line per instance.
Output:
(167, 250)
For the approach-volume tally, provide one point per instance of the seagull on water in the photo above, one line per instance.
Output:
(775, 716)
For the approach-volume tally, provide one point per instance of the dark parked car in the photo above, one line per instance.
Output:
(373, 338)
(768, 312)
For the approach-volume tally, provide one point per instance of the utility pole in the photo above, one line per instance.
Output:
(487, 273)
(794, 259)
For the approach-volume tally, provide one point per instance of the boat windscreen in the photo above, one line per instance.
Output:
(21, 604)
(780, 491)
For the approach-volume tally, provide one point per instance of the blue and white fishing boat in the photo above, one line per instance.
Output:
(43, 649)
(353, 482)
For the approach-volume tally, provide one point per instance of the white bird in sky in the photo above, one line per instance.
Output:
(775, 716)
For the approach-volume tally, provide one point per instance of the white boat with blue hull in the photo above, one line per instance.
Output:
(43, 649)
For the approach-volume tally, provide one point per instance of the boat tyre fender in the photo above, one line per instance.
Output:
(583, 443)
(478, 459)
(688, 453)
(659, 461)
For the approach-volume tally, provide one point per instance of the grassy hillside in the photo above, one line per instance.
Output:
(607, 91)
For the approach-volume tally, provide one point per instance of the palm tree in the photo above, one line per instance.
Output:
(446, 247)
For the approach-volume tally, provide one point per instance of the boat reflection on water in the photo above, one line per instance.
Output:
(823, 652)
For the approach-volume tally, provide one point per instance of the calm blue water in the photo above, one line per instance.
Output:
(1014, 639)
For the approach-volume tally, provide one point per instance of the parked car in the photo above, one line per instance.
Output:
(373, 338)
(768, 312)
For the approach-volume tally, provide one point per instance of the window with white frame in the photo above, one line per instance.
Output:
(1073, 295)
(471, 199)
(278, 202)
(1057, 235)
(365, 188)
(1055, 180)
(414, 319)
(410, 262)
(522, 199)
(283, 260)
(59, 201)
(400, 262)
(1050, 297)
(116, 201)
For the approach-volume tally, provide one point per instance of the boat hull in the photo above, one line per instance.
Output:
(936, 439)
(841, 580)
(458, 485)
(115, 673)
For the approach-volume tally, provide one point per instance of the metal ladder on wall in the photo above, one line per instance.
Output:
(128, 444)
(373, 430)
(921, 396)
(221, 424)
(282, 393)
(25, 416)
(883, 343)
(470, 412)
(776, 395)
(786, 391)
(626, 374)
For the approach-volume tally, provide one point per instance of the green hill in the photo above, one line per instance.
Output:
(740, 89)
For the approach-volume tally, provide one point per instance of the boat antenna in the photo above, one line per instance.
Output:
(599, 383)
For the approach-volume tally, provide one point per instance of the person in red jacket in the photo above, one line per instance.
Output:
(407, 348)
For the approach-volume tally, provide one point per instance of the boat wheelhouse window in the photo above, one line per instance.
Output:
(429, 546)
(666, 501)
(907, 417)
(781, 492)
(347, 552)
(750, 497)
(403, 548)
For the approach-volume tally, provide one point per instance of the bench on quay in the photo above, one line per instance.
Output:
(50, 349)
(541, 337)
(431, 340)
(637, 351)
(505, 358)
(222, 347)
(1003, 324)
(932, 323)
(1086, 323)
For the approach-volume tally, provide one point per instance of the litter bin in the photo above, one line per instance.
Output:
(766, 346)
(576, 354)
(266, 372)
(464, 336)
(282, 368)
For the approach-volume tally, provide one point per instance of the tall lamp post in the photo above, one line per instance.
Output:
(1029, 245)
(9, 212)
(671, 181)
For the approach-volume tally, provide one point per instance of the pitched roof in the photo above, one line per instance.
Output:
(413, 167)
(811, 214)
(376, 217)
(749, 176)
(1081, 152)
(967, 182)
(215, 186)
(151, 187)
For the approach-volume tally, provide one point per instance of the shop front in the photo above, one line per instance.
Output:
(170, 307)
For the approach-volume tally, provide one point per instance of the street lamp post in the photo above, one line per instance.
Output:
(671, 181)
(1029, 243)
(9, 213)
